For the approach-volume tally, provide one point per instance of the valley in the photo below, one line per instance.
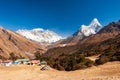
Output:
(93, 57)
(60, 40)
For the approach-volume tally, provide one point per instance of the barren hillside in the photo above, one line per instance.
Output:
(11, 42)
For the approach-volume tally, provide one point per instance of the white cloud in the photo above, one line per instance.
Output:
(38, 29)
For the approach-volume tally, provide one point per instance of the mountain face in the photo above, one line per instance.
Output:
(40, 35)
(91, 45)
(105, 33)
(11, 42)
(83, 32)
(92, 28)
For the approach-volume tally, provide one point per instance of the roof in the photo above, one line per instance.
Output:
(6, 61)
(35, 61)
(19, 60)
(43, 62)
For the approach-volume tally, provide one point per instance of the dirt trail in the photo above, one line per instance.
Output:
(93, 58)
(108, 71)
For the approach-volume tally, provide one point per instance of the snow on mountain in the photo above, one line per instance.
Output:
(83, 32)
(40, 35)
(92, 28)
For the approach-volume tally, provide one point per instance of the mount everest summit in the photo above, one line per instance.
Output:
(40, 35)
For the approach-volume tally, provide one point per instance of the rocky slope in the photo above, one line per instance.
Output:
(11, 42)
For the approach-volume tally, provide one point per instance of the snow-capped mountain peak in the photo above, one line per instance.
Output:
(95, 21)
(95, 25)
(92, 28)
(40, 35)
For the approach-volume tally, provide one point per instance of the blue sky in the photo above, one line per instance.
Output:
(62, 16)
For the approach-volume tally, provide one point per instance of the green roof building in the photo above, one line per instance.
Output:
(43, 63)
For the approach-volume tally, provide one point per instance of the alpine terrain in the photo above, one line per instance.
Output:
(40, 35)
(105, 44)
(84, 31)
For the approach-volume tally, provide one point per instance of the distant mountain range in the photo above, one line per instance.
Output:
(86, 40)
(46, 36)
(40, 35)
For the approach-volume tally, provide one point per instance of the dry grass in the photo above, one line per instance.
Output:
(108, 71)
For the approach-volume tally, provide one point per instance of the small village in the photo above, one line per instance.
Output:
(7, 63)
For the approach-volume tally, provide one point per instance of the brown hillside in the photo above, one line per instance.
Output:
(11, 42)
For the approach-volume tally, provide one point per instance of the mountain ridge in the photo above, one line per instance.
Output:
(40, 35)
